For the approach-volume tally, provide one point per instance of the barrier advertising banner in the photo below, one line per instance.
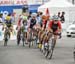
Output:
(21, 2)
(12, 2)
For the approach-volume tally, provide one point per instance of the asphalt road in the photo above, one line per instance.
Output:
(13, 54)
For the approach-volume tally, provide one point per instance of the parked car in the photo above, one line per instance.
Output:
(71, 30)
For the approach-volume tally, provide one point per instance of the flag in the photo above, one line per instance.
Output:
(47, 13)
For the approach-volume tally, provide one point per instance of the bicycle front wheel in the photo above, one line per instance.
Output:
(5, 42)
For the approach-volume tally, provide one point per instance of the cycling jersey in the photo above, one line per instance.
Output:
(25, 28)
(24, 17)
(44, 23)
(19, 22)
(8, 23)
(54, 27)
(32, 23)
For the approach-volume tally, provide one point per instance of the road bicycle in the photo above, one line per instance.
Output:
(6, 36)
(50, 46)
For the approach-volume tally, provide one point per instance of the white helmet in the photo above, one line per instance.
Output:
(34, 15)
(55, 17)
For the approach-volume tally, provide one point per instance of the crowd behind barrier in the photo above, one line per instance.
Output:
(4, 14)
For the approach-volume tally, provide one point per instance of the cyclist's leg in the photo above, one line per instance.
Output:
(9, 33)
(28, 34)
(55, 39)
(3, 28)
(11, 28)
(25, 37)
(32, 32)
(18, 36)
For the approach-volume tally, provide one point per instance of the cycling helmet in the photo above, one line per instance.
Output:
(25, 17)
(8, 18)
(44, 17)
(34, 15)
(55, 17)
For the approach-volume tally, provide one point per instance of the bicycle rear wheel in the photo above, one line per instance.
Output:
(18, 39)
(30, 39)
(6, 38)
(5, 41)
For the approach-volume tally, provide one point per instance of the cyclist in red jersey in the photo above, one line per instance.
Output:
(55, 26)
(44, 22)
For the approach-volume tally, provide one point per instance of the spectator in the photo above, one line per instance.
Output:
(39, 18)
(59, 14)
(62, 17)
(13, 17)
(29, 15)
(1, 18)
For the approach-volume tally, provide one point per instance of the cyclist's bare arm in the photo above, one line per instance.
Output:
(49, 29)
(60, 28)
(4, 25)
